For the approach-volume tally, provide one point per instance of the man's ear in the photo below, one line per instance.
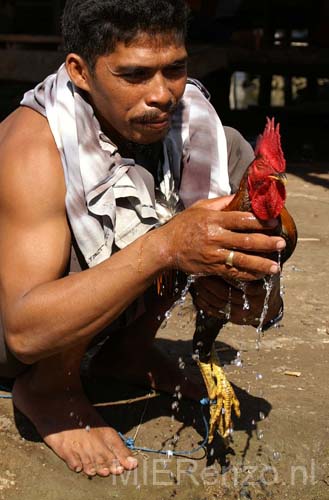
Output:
(78, 71)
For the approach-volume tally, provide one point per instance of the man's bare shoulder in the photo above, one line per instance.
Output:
(30, 164)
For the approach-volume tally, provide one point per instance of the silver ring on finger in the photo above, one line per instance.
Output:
(229, 260)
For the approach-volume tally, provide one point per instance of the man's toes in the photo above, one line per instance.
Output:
(103, 467)
(123, 455)
(89, 468)
(130, 463)
(116, 468)
(73, 462)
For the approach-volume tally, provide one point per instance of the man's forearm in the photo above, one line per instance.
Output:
(58, 315)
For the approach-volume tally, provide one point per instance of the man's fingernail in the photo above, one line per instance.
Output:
(275, 269)
(133, 461)
(281, 245)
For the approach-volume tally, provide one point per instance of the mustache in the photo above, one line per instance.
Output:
(155, 115)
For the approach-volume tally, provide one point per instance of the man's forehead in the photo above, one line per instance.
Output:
(148, 50)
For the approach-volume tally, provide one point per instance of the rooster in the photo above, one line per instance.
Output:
(261, 191)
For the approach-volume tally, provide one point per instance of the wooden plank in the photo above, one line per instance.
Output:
(28, 65)
(23, 65)
(30, 39)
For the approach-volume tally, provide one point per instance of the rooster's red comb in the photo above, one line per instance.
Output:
(269, 146)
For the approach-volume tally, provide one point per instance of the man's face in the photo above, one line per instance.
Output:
(136, 88)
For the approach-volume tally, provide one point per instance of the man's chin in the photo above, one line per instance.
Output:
(148, 133)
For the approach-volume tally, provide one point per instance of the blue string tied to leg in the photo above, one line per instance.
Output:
(130, 442)
(5, 396)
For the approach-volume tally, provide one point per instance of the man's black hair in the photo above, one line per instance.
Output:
(92, 28)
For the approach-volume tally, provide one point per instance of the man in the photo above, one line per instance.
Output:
(68, 177)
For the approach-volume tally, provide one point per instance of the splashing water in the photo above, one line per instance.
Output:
(268, 286)
(260, 434)
(228, 308)
(243, 287)
(238, 361)
(175, 405)
(182, 299)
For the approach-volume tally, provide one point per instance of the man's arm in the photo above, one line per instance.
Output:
(43, 312)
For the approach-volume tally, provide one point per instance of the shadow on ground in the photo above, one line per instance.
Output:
(121, 406)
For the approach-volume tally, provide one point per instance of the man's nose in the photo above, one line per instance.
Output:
(159, 94)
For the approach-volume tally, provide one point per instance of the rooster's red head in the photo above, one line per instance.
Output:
(266, 174)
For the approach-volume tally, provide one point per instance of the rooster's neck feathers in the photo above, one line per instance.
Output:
(268, 147)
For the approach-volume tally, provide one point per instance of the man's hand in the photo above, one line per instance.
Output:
(213, 294)
(199, 240)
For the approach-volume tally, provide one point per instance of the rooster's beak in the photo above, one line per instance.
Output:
(279, 177)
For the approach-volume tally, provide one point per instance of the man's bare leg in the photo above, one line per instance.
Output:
(51, 396)
(130, 355)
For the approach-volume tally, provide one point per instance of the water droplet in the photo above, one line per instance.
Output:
(72, 414)
(212, 452)
(170, 453)
(167, 314)
(276, 455)
(259, 376)
(177, 388)
(87, 428)
(260, 434)
(175, 405)
(261, 415)
(195, 357)
(80, 423)
(189, 469)
(69, 373)
(159, 318)
(179, 395)
(175, 438)
(181, 365)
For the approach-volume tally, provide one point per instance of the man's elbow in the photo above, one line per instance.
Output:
(20, 346)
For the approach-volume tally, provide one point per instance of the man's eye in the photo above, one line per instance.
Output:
(135, 76)
(175, 70)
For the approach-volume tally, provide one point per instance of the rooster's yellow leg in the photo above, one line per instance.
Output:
(221, 394)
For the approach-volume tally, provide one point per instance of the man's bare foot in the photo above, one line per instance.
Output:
(69, 424)
(150, 368)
